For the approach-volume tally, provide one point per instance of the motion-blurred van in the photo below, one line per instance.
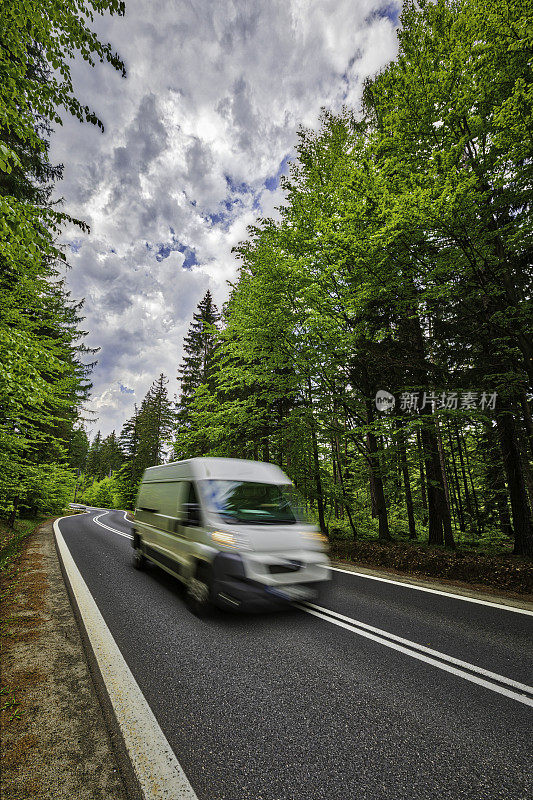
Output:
(233, 531)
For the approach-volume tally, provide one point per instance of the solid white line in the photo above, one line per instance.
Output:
(156, 767)
(422, 648)
(435, 591)
(120, 533)
(372, 578)
(354, 628)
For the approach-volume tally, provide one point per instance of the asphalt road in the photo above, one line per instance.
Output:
(292, 706)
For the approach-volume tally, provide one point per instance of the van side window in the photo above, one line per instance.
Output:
(192, 516)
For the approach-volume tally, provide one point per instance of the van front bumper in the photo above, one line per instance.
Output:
(232, 589)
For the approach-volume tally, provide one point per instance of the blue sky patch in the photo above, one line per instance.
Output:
(272, 182)
(164, 249)
(237, 188)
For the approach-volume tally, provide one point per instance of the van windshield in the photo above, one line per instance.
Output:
(255, 503)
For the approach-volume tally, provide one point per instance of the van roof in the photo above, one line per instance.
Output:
(237, 469)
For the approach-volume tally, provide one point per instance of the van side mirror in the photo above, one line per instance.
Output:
(192, 514)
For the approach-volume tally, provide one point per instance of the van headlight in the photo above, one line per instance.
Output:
(225, 538)
(235, 541)
(316, 537)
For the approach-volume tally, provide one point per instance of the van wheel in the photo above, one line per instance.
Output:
(198, 598)
(139, 560)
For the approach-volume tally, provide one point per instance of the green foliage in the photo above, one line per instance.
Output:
(44, 378)
(143, 442)
(196, 376)
(11, 543)
(402, 261)
(102, 494)
(48, 489)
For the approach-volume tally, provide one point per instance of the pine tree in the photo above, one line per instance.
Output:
(155, 423)
(78, 448)
(93, 464)
(111, 456)
(197, 372)
(198, 364)
(145, 439)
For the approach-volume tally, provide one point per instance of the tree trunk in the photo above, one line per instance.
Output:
(496, 482)
(468, 502)
(373, 503)
(341, 479)
(440, 528)
(479, 521)
(523, 446)
(515, 481)
(420, 452)
(457, 492)
(445, 499)
(377, 482)
(316, 464)
(406, 483)
(528, 422)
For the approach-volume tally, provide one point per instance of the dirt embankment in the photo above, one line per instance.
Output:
(54, 740)
(505, 573)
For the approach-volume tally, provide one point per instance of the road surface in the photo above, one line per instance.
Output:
(385, 692)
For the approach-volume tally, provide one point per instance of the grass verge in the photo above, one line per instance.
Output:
(12, 540)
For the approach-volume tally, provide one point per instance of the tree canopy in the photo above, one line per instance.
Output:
(44, 378)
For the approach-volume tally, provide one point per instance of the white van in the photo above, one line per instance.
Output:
(232, 531)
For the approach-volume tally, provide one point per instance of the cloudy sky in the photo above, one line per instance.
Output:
(196, 138)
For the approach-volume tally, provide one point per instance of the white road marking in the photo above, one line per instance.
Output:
(114, 530)
(434, 591)
(418, 651)
(156, 767)
(406, 646)
(370, 577)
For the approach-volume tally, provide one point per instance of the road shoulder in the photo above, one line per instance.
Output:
(55, 742)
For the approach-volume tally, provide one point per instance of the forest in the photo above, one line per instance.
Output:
(399, 263)
(45, 375)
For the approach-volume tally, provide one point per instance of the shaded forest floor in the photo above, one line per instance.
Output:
(503, 571)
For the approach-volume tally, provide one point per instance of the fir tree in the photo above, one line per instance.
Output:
(197, 369)
(92, 467)
(155, 423)
(198, 365)
(111, 456)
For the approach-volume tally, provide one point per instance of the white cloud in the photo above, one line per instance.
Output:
(209, 111)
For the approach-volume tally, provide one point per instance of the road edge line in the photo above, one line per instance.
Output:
(406, 583)
(155, 766)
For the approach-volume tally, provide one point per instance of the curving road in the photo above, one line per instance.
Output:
(383, 692)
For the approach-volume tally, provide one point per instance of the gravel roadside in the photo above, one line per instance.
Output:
(55, 742)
